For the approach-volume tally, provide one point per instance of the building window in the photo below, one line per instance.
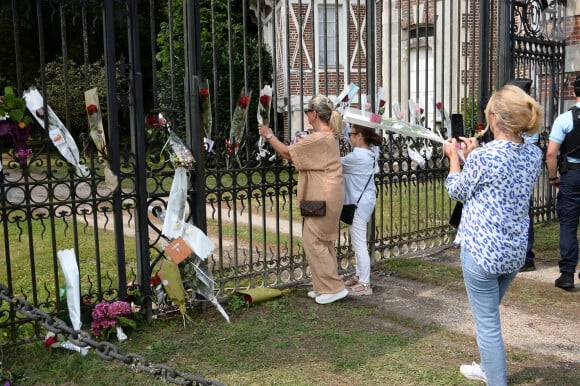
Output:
(327, 34)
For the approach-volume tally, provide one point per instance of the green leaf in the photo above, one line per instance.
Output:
(16, 114)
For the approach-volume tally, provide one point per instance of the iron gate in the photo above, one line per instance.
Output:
(155, 57)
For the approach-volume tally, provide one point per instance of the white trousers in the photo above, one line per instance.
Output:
(358, 239)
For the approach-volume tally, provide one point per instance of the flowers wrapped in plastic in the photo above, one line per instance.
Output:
(111, 317)
(183, 161)
(97, 134)
(381, 99)
(68, 263)
(263, 117)
(58, 133)
(445, 118)
(346, 97)
(238, 122)
(206, 118)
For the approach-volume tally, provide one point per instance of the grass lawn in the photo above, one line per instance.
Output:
(293, 341)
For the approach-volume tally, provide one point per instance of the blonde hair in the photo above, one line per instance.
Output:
(326, 112)
(515, 110)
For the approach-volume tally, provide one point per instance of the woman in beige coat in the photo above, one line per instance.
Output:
(317, 158)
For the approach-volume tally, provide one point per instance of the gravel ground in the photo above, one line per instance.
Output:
(538, 329)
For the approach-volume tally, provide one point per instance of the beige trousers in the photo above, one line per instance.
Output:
(321, 258)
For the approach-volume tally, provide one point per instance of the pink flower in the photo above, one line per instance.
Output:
(376, 118)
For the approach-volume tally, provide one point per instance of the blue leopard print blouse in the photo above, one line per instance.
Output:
(495, 185)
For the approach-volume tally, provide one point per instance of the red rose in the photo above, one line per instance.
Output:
(421, 110)
(381, 103)
(265, 100)
(204, 92)
(439, 105)
(91, 109)
(376, 118)
(345, 99)
(50, 341)
(479, 128)
(243, 102)
(155, 280)
(152, 120)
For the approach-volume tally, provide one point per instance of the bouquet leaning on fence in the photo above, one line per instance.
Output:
(263, 117)
(238, 125)
(183, 161)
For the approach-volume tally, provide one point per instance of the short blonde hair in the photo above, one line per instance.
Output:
(515, 110)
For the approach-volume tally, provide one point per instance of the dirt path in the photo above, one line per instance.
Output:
(543, 330)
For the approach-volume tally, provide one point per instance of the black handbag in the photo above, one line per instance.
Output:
(312, 208)
(347, 214)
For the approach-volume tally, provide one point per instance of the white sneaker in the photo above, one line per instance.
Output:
(313, 294)
(329, 298)
(473, 371)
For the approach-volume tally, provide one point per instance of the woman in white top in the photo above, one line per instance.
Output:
(358, 169)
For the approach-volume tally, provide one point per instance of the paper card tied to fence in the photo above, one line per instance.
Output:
(178, 250)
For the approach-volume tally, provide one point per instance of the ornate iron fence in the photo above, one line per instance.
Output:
(151, 58)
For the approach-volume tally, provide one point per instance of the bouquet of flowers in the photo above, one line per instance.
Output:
(206, 119)
(381, 99)
(97, 134)
(182, 160)
(365, 104)
(109, 317)
(263, 116)
(58, 133)
(14, 124)
(238, 123)
(179, 154)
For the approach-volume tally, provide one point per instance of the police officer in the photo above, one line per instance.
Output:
(564, 173)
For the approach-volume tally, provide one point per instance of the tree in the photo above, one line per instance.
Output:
(214, 26)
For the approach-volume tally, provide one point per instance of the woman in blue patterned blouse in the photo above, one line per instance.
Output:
(495, 185)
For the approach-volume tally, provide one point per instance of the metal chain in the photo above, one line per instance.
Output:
(105, 350)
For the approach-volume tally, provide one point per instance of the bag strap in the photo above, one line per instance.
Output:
(367, 184)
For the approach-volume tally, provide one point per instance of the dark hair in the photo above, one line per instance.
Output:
(577, 86)
(369, 135)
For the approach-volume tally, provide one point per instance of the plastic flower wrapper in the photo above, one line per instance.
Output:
(381, 99)
(238, 122)
(97, 134)
(364, 102)
(346, 97)
(356, 116)
(182, 160)
(205, 107)
(416, 113)
(58, 133)
(173, 285)
(415, 156)
(263, 116)
(179, 154)
(445, 118)
(70, 269)
(397, 110)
